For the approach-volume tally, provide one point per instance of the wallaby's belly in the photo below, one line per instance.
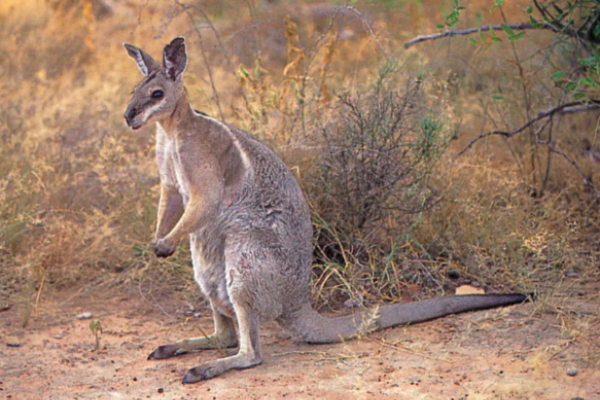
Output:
(208, 261)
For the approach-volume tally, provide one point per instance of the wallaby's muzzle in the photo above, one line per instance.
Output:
(130, 115)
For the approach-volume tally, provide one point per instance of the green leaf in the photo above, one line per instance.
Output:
(534, 22)
(580, 96)
(571, 86)
(517, 36)
(558, 75)
(473, 41)
(440, 26)
(497, 3)
(496, 39)
(497, 97)
(481, 36)
(589, 62)
(558, 9)
(587, 81)
(507, 29)
(529, 10)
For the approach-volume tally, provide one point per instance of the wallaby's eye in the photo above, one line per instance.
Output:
(158, 94)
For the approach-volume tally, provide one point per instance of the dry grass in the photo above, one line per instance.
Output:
(78, 190)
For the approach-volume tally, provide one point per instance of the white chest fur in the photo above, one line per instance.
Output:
(168, 160)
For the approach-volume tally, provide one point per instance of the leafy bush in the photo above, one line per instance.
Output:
(372, 177)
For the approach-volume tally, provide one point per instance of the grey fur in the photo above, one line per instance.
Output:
(249, 227)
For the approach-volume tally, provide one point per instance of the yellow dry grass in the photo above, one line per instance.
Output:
(78, 189)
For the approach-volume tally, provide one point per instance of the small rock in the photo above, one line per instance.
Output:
(85, 315)
(13, 341)
(577, 398)
(572, 371)
(160, 390)
(351, 303)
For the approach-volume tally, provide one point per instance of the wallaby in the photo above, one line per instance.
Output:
(249, 227)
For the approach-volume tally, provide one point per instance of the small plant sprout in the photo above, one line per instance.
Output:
(96, 328)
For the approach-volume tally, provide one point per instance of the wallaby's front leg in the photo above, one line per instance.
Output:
(224, 336)
(170, 210)
(248, 356)
(205, 191)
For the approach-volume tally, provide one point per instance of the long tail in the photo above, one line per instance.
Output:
(315, 328)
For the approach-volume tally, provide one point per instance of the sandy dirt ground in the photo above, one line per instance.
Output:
(511, 353)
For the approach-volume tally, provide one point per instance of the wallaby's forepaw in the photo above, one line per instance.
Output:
(166, 351)
(162, 248)
(200, 373)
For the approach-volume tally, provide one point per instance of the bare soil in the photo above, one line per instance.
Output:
(511, 353)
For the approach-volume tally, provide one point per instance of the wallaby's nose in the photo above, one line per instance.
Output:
(129, 115)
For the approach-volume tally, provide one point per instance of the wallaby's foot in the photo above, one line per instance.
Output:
(166, 351)
(225, 339)
(215, 368)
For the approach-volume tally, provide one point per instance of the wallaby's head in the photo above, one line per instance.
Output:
(156, 96)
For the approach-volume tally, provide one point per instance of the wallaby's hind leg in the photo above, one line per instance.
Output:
(248, 356)
(224, 336)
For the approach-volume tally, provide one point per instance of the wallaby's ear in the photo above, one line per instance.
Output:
(144, 61)
(174, 58)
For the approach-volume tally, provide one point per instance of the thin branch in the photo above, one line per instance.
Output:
(522, 26)
(186, 9)
(367, 28)
(590, 33)
(210, 24)
(541, 115)
(587, 181)
(243, 30)
(575, 109)
(548, 17)
(258, 42)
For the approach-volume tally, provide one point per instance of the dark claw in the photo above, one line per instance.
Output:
(163, 250)
(164, 254)
(197, 374)
(165, 351)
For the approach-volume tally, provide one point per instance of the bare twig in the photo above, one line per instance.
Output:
(367, 28)
(254, 26)
(210, 24)
(405, 349)
(522, 26)
(154, 302)
(587, 181)
(590, 32)
(258, 43)
(575, 109)
(541, 115)
(534, 155)
(141, 11)
(186, 9)
(579, 105)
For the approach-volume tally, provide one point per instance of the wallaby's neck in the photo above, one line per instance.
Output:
(179, 119)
